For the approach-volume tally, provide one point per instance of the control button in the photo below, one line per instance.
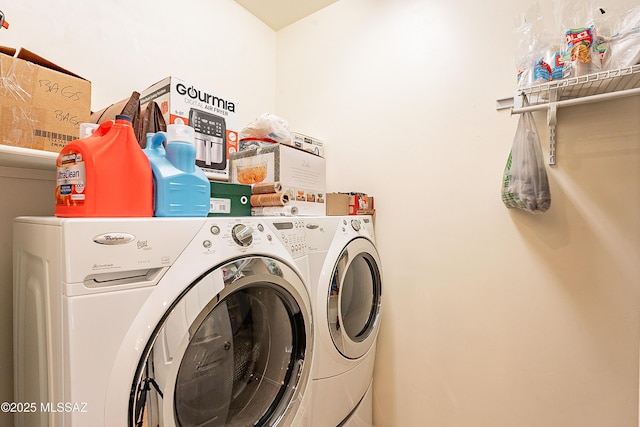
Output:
(206, 244)
(215, 230)
(260, 227)
(242, 234)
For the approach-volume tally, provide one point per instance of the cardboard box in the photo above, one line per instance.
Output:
(213, 116)
(307, 143)
(41, 104)
(301, 174)
(229, 199)
(361, 204)
(339, 204)
(298, 140)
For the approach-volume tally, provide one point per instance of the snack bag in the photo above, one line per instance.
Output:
(581, 44)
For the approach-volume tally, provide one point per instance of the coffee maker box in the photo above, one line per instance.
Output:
(213, 116)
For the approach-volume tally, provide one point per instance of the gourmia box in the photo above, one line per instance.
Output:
(213, 116)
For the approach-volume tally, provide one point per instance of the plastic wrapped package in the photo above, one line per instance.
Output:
(623, 47)
(268, 128)
(540, 52)
(584, 39)
(578, 19)
(528, 51)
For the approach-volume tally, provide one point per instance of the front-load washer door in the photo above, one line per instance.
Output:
(353, 301)
(235, 357)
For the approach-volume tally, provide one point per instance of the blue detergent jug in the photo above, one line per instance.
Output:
(180, 187)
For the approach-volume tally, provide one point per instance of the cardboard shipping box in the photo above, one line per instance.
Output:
(340, 204)
(298, 140)
(308, 143)
(41, 104)
(301, 174)
(213, 116)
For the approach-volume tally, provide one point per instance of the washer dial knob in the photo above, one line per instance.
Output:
(355, 224)
(242, 234)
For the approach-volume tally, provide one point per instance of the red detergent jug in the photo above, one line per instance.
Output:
(104, 175)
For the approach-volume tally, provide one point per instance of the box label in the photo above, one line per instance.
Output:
(70, 180)
(218, 205)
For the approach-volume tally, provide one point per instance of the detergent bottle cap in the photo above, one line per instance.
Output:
(180, 133)
(124, 117)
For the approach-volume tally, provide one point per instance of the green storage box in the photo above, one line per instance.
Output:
(229, 199)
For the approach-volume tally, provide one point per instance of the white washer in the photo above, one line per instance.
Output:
(346, 292)
(161, 322)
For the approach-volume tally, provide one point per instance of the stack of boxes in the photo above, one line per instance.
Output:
(214, 118)
(44, 109)
(300, 171)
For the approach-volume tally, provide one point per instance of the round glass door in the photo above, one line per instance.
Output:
(353, 308)
(228, 358)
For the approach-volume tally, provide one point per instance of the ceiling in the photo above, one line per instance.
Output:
(278, 14)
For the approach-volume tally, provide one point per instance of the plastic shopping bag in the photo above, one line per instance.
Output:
(525, 184)
(268, 126)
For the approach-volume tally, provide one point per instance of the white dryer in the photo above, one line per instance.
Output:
(346, 293)
(161, 322)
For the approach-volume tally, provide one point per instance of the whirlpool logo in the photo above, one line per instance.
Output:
(114, 238)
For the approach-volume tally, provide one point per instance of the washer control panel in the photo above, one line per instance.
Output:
(293, 235)
(251, 233)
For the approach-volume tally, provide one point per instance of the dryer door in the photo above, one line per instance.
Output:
(353, 305)
(234, 357)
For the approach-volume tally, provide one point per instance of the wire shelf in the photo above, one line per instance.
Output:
(609, 81)
(588, 88)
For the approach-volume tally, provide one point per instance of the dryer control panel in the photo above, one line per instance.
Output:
(360, 224)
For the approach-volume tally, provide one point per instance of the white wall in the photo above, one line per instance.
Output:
(122, 46)
(491, 317)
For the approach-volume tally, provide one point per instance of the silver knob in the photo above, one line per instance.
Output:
(355, 224)
(242, 234)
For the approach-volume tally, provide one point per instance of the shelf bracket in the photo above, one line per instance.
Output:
(552, 121)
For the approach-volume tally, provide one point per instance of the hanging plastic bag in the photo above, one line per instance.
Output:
(525, 184)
